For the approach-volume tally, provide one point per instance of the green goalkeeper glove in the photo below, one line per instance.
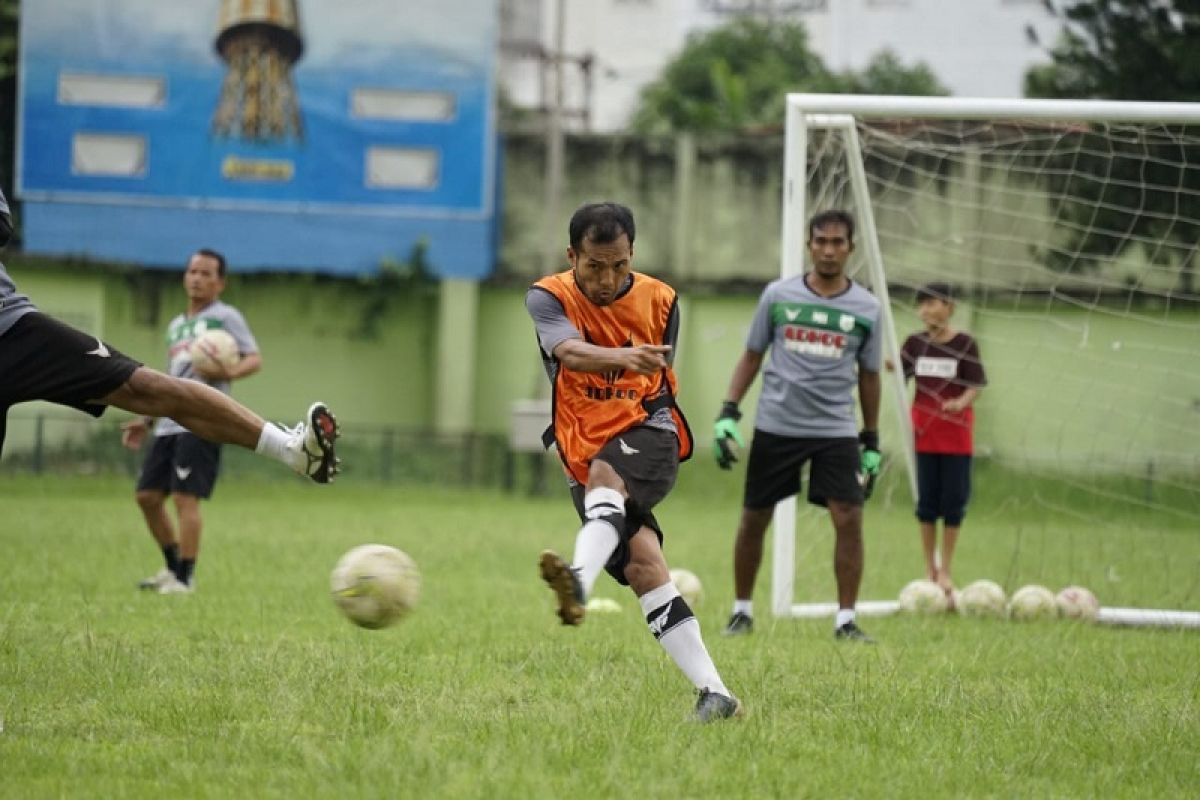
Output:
(872, 459)
(725, 429)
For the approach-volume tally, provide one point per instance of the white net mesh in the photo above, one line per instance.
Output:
(1071, 248)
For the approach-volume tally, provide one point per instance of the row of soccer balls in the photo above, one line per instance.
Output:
(375, 586)
(987, 598)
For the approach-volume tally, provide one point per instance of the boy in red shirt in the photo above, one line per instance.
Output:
(949, 375)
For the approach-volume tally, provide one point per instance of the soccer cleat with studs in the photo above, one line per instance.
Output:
(712, 706)
(559, 576)
(853, 633)
(313, 442)
(740, 624)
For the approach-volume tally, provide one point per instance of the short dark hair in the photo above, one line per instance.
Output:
(208, 252)
(834, 215)
(935, 291)
(601, 223)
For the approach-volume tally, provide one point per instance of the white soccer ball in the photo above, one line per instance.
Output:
(214, 346)
(923, 597)
(982, 598)
(1032, 602)
(688, 585)
(1076, 602)
(375, 585)
(603, 605)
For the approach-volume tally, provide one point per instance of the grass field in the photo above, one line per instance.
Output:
(255, 687)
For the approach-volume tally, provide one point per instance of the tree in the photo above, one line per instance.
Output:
(1124, 50)
(885, 74)
(735, 78)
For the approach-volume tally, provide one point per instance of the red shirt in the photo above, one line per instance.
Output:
(943, 371)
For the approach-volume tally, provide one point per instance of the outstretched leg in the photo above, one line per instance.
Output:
(211, 415)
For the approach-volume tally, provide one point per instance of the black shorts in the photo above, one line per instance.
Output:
(181, 463)
(773, 471)
(44, 359)
(647, 459)
(943, 487)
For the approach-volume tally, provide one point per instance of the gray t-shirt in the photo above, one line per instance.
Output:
(553, 328)
(13, 304)
(817, 344)
(184, 330)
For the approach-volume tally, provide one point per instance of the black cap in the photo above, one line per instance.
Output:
(935, 291)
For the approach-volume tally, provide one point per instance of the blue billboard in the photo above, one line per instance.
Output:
(311, 135)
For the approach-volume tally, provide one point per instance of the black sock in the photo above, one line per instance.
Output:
(184, 572)
(171, 555)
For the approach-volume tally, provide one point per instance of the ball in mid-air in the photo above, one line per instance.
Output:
(923, 597)
(214, 346)
(982, 598)
(688, 585)
(375, 585)
(1032, 602)
(1076, 602)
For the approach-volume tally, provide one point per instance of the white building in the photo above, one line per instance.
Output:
(976, 48)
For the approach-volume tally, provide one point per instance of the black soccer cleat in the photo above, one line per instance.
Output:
(740, 624)
(713, 706)
(559, 576)
(853, 633)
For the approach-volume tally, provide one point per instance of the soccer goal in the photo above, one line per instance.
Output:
(1069, 233)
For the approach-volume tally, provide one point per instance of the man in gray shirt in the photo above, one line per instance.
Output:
(44, 359)
(181, 464)
(822, 330)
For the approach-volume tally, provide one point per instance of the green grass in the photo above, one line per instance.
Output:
(256, 687)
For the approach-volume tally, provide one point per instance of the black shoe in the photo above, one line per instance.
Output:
(739, 624)
(557, 573)
(712, 706)
(853, 633)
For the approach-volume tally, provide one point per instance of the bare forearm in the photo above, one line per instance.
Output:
(967, 398)
(869, 394)
(744, 373)
(580, 356)
(246, 367)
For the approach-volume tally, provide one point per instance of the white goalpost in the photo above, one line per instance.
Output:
(1070, 227)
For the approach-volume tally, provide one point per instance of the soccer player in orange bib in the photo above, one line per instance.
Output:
(607, 337)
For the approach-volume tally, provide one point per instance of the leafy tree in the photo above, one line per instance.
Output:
(735, 77)
(887, 75)
(1124, 50)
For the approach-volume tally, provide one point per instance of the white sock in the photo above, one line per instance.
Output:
(678, 631)
(744, 607)
(597, 539)
(273, 443)
(844, 615)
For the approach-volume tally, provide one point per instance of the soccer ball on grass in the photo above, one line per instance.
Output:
(688, 585)
(1032, 602)
(1076, 602)
(982, 598)
(923, 597)
(375, 585)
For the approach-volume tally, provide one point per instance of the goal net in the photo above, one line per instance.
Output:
(1068, 231)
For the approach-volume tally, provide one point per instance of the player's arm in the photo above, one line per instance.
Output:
(563, 342)
(245, 367)
(870, 391)
(581, 356)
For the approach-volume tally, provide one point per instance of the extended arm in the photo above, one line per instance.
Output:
(578, 355)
